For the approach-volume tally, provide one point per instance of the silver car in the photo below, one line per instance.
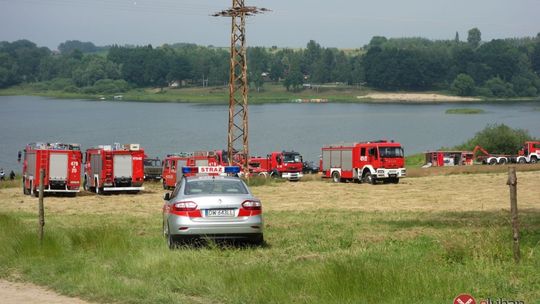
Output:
(212, 207)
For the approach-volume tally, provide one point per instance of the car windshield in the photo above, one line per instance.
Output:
(390, 152)
(292, 158)
(214, 186)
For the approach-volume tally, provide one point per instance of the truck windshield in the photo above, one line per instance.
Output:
(391, 152)
(292, 158)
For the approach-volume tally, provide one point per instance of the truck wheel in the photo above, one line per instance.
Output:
(263, 174)
(97, 188)
(336, 177)
(275, 174)
(534, 160)
(26, 191)
(521, 160)
(394, 180)
(502, 161)
(369, 178)
(85, 184)
(493, 161)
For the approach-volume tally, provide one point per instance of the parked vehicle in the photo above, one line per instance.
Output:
(449, 158)
(173, 163)
(62, 164)
(364, 162)
(529, 153)
(212, 207)
(309, 167)
(287, 165)
(114, 168)
(153, 168)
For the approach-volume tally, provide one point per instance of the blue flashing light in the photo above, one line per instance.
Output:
(232, 169)
(190, 170)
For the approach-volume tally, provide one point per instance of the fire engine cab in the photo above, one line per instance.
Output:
(368, 162)
(287, 165)
(62, 165)
(529, 153)
(173, 163)
(114, 168)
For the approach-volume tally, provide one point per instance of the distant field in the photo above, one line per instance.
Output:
(427, 238)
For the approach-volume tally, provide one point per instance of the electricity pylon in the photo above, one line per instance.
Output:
(237, 143)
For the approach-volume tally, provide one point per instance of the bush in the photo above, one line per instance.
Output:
(463, 85)
(59, 84)
(500, 88)
(498, 138)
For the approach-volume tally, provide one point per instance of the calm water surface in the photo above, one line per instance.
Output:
(163, 128)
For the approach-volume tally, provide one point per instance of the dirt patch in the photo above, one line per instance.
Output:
(17, 293)
(415, 97)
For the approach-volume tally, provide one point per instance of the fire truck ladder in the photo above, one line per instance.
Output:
(108, 167)
(43, 164)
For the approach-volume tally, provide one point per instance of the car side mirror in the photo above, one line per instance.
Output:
(167, 196)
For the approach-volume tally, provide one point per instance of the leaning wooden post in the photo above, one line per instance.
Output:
(512, 182)
(41, 208)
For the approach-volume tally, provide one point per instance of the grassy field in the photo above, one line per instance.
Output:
(271, 93)
(427, 238)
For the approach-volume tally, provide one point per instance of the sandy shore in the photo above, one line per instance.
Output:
(27, 293)
(414, 97)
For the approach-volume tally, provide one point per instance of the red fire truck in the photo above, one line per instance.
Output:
(173, 163)
(114, 168)
(529, 153)
(62, 164)
(364, 162)
(448, 158)
(287, 165)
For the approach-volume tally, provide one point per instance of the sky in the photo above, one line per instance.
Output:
(291, 23)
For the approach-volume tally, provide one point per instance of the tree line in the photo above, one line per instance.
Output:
(498, 68)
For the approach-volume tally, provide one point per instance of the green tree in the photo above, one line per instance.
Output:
(499, 88)
(294, 79)
(463, 85)
(498, 138)
(474, 38)
(535, 57)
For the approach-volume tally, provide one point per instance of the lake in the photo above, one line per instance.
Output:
(163, 128)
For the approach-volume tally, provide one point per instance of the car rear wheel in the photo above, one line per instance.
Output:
(257, 240)
(171, 243)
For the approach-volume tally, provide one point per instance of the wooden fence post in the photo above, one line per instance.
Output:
(512, 182)
(41, 208)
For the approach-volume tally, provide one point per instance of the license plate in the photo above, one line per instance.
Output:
(219, 212)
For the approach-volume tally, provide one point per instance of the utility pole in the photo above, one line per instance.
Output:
(237, 143)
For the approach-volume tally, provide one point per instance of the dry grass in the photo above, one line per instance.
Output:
(435, 171)
(466, 192)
